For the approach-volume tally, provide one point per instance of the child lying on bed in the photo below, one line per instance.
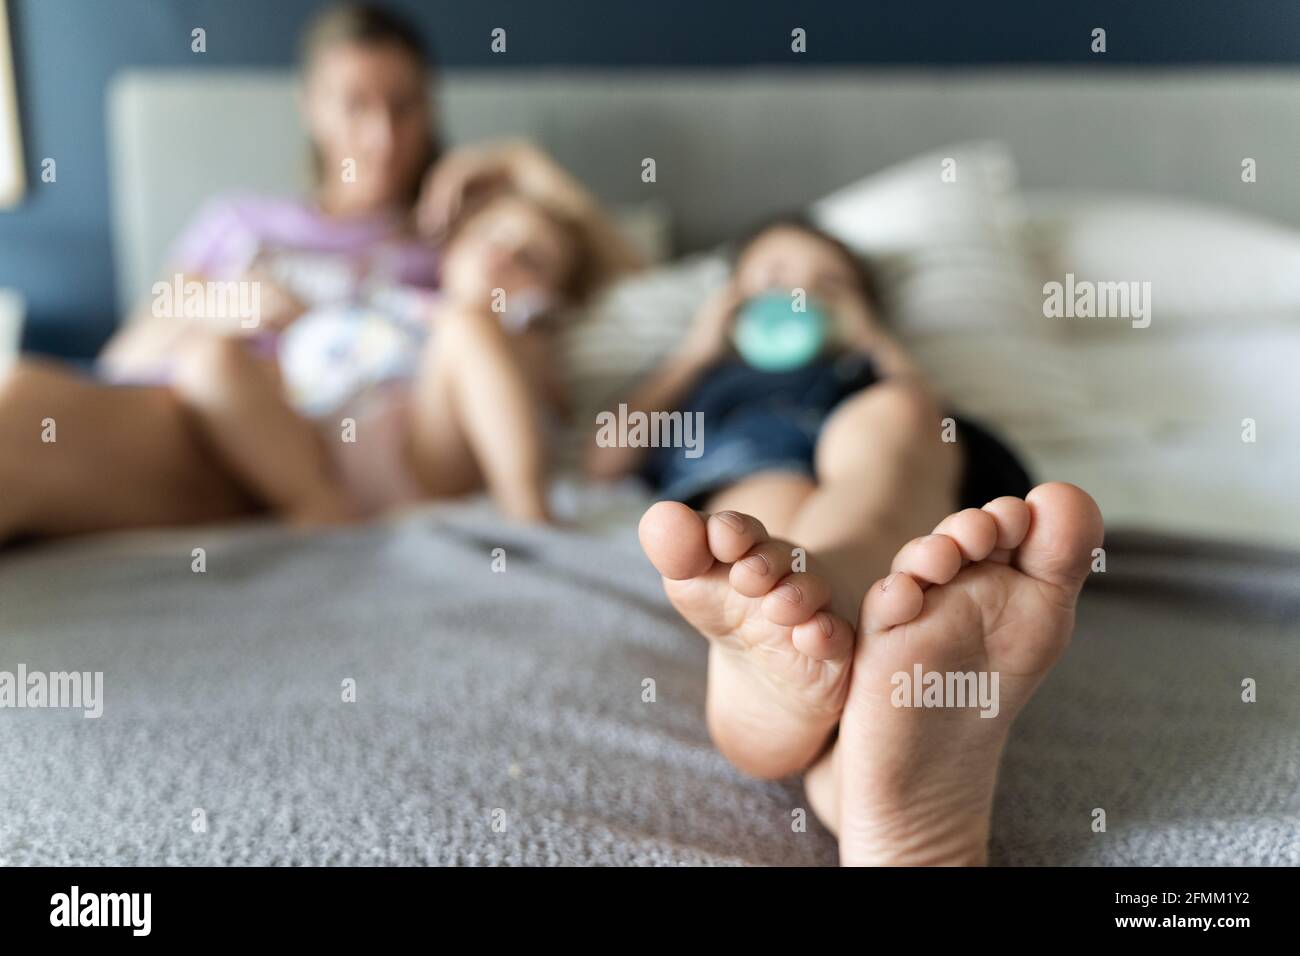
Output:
(826, 463)
(404, 395)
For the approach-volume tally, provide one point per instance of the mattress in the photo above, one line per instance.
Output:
(527, 696)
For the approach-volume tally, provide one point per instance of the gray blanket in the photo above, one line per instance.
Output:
(507, 716)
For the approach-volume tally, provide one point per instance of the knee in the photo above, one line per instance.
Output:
(887, 413)
(892, 418)
(912, 410)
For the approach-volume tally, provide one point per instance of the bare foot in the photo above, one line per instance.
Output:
(778, 657)
(990, 594)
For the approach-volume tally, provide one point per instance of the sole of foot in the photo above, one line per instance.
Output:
(779, 657)
(986, 604)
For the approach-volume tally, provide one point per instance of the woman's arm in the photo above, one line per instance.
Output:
(538, 174)
(146, 338)
(890, 358)
(156, 330)
(528, 168)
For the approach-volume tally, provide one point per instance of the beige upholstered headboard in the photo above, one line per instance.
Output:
(730, 146)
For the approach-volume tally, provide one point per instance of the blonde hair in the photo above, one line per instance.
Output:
(584, 275)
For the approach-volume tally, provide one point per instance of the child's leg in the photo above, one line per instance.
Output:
(474, 418)
(884, 476)
(239, 406)
(774, 497)
(778, 610)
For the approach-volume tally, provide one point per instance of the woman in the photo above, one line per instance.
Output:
(78, 456)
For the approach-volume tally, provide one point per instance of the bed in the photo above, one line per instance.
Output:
(395, 694)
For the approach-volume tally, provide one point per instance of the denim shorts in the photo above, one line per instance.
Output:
(756, 421)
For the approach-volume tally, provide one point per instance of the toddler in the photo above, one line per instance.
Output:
(406, 394)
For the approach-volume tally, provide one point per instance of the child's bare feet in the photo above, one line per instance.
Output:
(778, 658)
(992, 591)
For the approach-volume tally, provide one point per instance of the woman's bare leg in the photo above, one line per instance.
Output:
(121, 457)
(238, 403)
(475, 418)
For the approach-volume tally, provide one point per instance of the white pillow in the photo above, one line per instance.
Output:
(944, 231)
(1208, 266)
(648, 226)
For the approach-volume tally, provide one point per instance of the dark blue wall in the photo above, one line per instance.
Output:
(55, 247)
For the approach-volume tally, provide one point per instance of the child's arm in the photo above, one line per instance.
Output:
(664, 388)
(890, 358)
(863, 332)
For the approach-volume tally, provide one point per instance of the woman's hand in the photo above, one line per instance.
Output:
(470, 170)
(710, 334)
(525, 167)
(279, 308)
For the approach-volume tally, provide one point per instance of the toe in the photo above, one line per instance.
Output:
(934, 559)
(762, 568)
(797, 598)
(973, 531)
(731, 534)
(824, 637)
(1065, 526)
(891, 601)
(1011, 515)
(674, 539)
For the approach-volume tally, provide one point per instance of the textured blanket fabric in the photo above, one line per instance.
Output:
(541, 704)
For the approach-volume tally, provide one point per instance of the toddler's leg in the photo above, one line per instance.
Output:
(239, 406)
(884, 476)
(474, 418)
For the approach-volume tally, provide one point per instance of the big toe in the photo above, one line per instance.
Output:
(675, 540)
(1065, 527)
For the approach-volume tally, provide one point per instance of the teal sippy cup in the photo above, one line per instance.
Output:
(772, 336)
